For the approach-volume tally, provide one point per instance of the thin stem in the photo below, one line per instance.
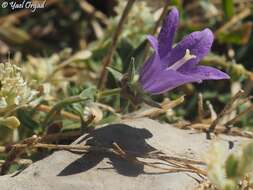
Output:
(235, 19)
(154, 111)
(109, 92)
(108, 59)
(225, 110)
(108, 108)
(67, 115)
(60, 105)
(237, 118)
(220, 129)
(181, 165)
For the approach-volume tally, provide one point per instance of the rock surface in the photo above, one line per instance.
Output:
(65, 170)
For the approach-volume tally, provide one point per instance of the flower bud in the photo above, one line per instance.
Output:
(92, 110)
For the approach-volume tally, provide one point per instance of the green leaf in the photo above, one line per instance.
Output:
(228, 8)
(131, 70)
(109, 92)
(25, 118)
(138, 54)
(125, 48)
(116, 74)
(231, 166)
(176, 2)
(239, 36)
(89, 93)
(248, 155)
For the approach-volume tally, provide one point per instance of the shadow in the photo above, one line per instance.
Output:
(128, 138)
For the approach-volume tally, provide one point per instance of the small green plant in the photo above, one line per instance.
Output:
(231, 171)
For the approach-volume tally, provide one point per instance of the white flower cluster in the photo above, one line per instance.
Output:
(14, 90)
(39, 69)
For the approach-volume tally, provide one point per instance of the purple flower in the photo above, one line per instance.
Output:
(170, 67)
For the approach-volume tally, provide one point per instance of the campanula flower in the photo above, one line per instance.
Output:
(170, 67)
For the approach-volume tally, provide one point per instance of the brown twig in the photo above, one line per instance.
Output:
(108, 108)
(237, 118)
(185, 160)
(121, 152)
(153, 111)
(235, 19)
(180, 165)
(108, 59)
(220, 129)
(68, 115)
(225, 110)
(16, 152)
(245, 100)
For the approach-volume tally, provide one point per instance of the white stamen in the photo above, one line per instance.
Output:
(188, 56)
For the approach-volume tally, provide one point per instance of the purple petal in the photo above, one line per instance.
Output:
(167, 33)
(207, 73)
(153, 41)
(167, 80)
(199, 43)
(150, 68)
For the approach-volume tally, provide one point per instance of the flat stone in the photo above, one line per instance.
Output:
(71, 171)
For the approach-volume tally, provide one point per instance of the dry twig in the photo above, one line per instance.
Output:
(176, 164)
(225, 110)
(153, 111)
(235, 19)
(237, 118)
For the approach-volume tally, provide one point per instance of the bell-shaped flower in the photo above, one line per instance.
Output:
(170, 67)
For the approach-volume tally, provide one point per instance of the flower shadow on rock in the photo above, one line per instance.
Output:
(128, 138)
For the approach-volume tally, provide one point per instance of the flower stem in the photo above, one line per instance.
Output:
(108, 59)
(109, 92)
(58, 106)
